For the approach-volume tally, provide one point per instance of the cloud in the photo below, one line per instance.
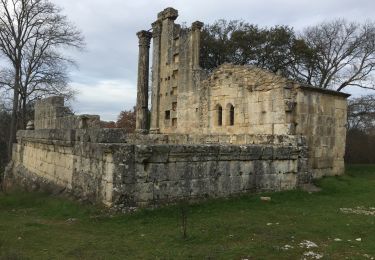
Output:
(106, 98)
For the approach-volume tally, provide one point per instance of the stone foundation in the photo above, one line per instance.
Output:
(111, 167)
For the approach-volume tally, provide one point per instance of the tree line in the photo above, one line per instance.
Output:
(360, 140)
(331, 55)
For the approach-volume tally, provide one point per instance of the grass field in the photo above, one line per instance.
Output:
(36, 226)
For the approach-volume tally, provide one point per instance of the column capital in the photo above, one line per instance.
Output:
(197, 25)
(168, 13)
(144, 38)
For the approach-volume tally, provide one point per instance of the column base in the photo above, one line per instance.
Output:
(141, 131)
(155, 131)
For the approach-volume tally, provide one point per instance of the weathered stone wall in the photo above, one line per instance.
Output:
(91, 165)
(239, 100)
(265, 103)
(257, 97)
(54, 158)
(50, 113)
(321, 117)
(175, 71)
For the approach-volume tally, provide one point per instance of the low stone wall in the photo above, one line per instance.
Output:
(110, 167)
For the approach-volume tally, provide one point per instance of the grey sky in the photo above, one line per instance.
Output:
(106, 77)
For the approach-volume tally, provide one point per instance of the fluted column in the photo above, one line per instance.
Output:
(155, 98)
(142, 85)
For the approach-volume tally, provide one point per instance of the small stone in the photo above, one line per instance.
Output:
(358, 239)
(307, 244)
(337, 239)
(313, 255)
(30, 125)
(287, 247)
(71, 220)
(265, 198)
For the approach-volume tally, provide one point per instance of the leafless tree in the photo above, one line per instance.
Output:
(342, 55)
(33, 34)
(361, 113)
(360, 140)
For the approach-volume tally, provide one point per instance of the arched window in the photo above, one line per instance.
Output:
(219, 114)
(230, 115)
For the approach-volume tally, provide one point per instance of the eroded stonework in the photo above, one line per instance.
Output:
(238, 129)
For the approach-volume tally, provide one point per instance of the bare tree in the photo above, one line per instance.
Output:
(343, 54)
(32, 35)
(361, 114)
(360, 140)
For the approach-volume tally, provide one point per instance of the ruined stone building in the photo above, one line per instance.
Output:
(235, 130)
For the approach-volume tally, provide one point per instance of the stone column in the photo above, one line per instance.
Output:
(196, 42)
(142, 85)
(155, 98)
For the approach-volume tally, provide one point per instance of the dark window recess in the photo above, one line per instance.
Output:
(231, 115)
(174, 106)
(167, 114)
(219, 116)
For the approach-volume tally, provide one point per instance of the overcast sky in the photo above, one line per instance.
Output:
(106, 77)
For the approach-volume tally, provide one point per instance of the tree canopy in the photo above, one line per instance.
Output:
(331, 55)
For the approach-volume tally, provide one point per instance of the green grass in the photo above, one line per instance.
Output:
(35, 226)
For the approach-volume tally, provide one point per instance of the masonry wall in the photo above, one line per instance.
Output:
(92, 166)
(257, 97)
(175, 71)
(321, 117)
(51, 113)
(53, 160)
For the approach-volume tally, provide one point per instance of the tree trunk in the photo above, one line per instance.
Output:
(24, 113)
(13, 123)
(15, 110)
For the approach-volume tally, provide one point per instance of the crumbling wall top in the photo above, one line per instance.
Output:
(51, 113)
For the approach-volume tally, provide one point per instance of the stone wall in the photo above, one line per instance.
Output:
(50, 113)
(321, 117)
(257, 98)
(89, 164)
(175, 71)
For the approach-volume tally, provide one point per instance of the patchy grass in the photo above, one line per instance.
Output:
(37, 226)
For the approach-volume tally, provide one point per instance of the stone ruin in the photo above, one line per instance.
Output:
(238, 129)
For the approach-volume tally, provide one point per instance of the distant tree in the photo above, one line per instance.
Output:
(33, 34)
(5, 118)
(360, 141)
(361, 113)
(344, 55)
(108, 124)
(330, 55)
(237, 42)
(126, 120)
(217, 44)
